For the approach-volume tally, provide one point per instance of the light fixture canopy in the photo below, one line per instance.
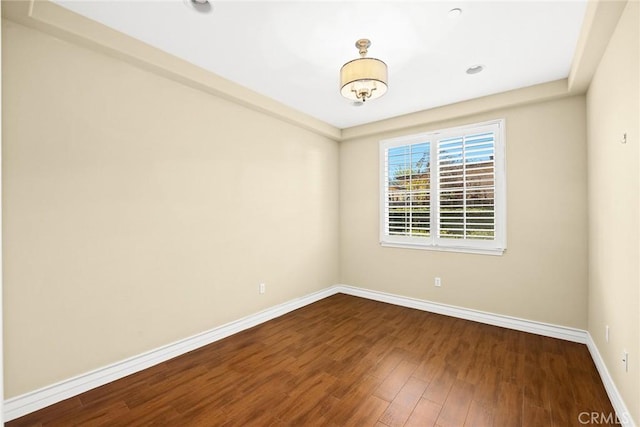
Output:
(363, 78)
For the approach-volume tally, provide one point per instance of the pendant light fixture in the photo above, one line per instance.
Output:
(363, 78)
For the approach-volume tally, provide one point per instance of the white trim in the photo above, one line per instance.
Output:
(1, 265)
(540, 328)
(624, 416)
(496, 252)
(38, 399)
(29, 402)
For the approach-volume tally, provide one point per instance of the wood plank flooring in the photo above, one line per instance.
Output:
(347, 361)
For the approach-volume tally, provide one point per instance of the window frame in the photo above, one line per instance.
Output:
(496, 246)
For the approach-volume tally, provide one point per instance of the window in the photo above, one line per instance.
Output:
(445, 190)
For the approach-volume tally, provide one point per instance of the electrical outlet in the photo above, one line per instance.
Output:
(262, 288)
(625, 360)
(437, 282)
(606, 333)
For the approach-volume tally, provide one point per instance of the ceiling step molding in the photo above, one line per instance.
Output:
(600, 21)
(48, 17)
(44, 15)
(517, 97)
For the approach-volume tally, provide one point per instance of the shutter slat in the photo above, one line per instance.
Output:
(467, 183)
(407, 199)
(466, 186)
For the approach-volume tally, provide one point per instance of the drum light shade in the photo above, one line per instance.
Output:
(363, 78)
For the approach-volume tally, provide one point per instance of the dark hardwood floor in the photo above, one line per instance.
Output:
(347, 361)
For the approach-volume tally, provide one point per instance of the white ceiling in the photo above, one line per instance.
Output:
(292, 51)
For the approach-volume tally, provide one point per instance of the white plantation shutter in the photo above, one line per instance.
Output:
(466, 178)
(407, 177)
(456, 202)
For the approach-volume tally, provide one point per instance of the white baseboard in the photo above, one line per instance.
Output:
(545, 329)
(38, 399)
(29, 402)
(624, 416)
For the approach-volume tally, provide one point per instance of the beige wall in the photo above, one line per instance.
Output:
(131, 224)
(543, 274)
(614, 198)
(138, 211)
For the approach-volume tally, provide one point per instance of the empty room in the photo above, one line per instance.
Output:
(297, 213)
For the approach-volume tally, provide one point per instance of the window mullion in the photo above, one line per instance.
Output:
(447, 204)
(435, 192)
(464, 187)
(410, 172)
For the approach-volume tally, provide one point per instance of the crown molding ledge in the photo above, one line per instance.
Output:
(48, 17)
(600, 21)
(513, 98)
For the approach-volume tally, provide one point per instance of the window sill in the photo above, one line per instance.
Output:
(478, 251)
